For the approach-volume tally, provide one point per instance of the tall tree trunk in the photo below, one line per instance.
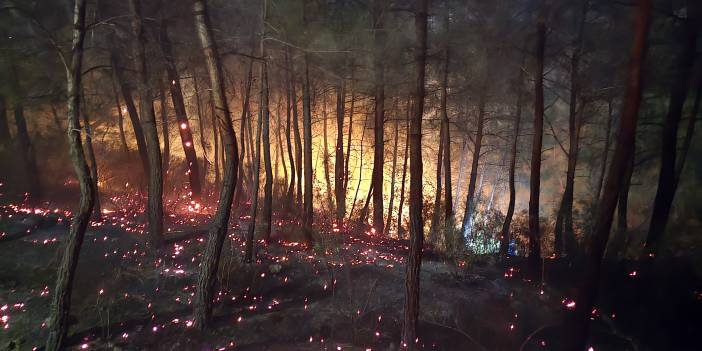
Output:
(307, 129)
(416, 227)
(164, 130)
(379, 121)
(120, 118)
(251, 230)
(448, 197)
(505, 237)
(348, 139)
(296, 132)
(388, 224)
(203, 140)
(215, 136)
(244, 115)
(690, 130)
(289, 103)
(565, 242)
(667, 185)
(186, 135)
(577, 323)
(61, 300)
(90, 154)
(339, 175)
(618, 244)
(268, 187)
(400, 228)
(534, 259)
(325, 154)
(436, 216)
(215, 239)
(148, 124)
(605, 150)
(466, 227)
(360, 172)
(131, 109)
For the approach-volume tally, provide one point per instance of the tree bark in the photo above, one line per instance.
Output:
(379, 121)
(202, 304)
(61, 301)
(667, 185)
(534, 258)
(467, 224)
(148, 124)
(339, 175)
(400, 228)
(505, 236)
(414, 259)
(186, 136)
(577, 323)
(90, 154)
(131, 109)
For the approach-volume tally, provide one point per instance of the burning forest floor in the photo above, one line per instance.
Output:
(344, 292)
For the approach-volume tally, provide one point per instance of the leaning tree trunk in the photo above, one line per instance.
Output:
(577, 323)
(379, 121)
(186, 135)
(90, 154)
(534, 259)
(605, 151)
(339, 177)
(61, 301)
(202, 303)
(148, 124)
(120, 118)
(131, 109)
(505, 237)
(467, 224)
(414, 259)
(667, 185)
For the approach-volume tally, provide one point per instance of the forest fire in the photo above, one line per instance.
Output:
(350, 175)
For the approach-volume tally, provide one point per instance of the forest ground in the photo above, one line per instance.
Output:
(344, 292)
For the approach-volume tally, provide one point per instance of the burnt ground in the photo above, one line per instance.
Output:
(345, 292)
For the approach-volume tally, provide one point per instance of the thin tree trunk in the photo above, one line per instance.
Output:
(90, 154)
(690, 130)
(307, 128)
(251, 230)
(131, 109)
(325, 154)
(348, 139)
(148, 124)
(667, 184)
(446, 127)
(379, 121)
(296, 132)
(388, 224)
(436, 216)
(120, 118)
(186, 136)
(203, 140)
(61, 300)
(605, 150)
(268, 187)
(165, 131)
(215, 136)
(577, 323)
(505, 237)
(215, 239)
(618, 244)
(466, 227)
(339, 175)
(400, 228)
(360, 172)
(414, 259)
(4, 126)
(534, 259)
(244, 115)
(289, 103)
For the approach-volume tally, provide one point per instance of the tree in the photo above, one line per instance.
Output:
(416, 227)
(534, 259)
(186, 135)
(379, 110)
(339, 175)
(577, 323)
(148, 124)
(202, 304)
(61, 301)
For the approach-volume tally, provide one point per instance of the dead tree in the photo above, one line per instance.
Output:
(577, 323)
(61, 301)
(414, 259)
(202, 304)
